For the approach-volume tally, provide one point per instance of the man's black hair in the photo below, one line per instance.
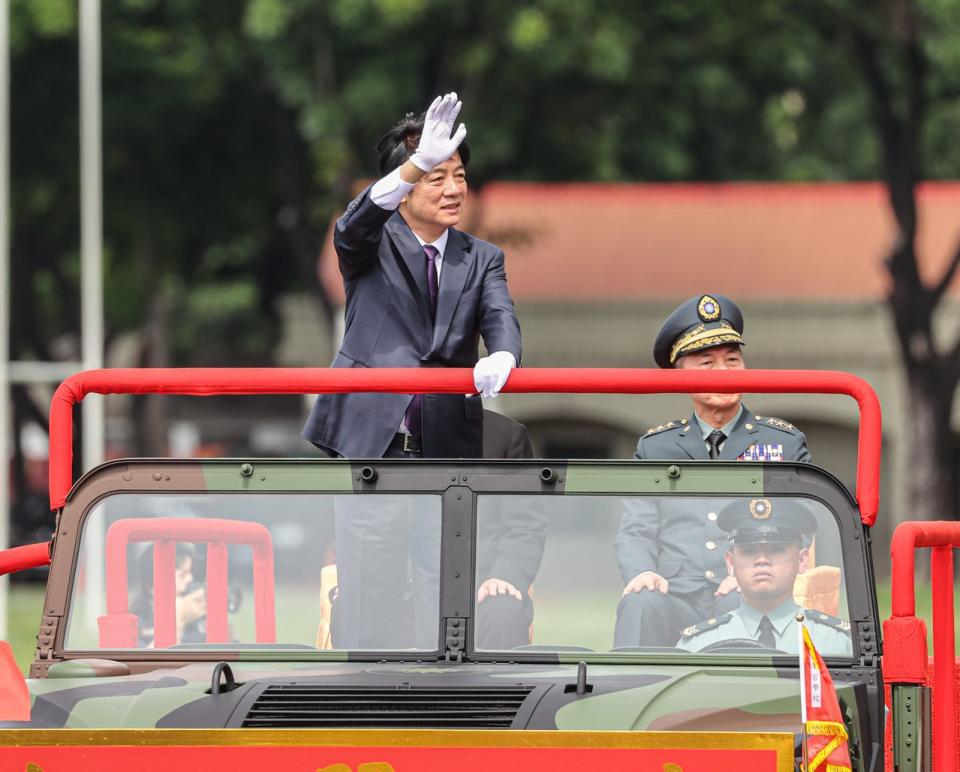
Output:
(397, 145)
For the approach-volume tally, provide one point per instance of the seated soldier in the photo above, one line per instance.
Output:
(667, 552)
(766, 553)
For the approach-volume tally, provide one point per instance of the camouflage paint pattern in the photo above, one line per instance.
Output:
(629, 692)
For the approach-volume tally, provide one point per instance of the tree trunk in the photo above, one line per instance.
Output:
(932, 469)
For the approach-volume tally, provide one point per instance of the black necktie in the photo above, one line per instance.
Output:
(766, 633)
(714, 440)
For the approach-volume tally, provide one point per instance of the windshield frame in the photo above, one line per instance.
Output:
(459, 483)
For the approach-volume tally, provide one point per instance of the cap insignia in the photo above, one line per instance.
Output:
(708, 309)
(760, 509)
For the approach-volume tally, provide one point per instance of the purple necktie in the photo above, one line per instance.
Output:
(414, 415)
(432, 283)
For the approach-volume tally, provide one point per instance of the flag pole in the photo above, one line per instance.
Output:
(801, 649)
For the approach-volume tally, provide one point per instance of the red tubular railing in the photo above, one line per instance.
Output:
(905, 636)
(118, 629)
(210, 381)
(21, 558)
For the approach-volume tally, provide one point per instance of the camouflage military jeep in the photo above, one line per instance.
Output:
(209, 595)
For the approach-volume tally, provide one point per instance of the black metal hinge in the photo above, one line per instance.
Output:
(869, 651)
(454, 637)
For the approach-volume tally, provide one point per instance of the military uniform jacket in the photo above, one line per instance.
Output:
(831, 635)
(388, 324)
(682, 543)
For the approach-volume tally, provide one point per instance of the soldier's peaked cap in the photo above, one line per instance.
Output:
(773, 520)
(698, 323)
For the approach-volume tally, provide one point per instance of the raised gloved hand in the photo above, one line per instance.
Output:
(436, 144)
(491, 373)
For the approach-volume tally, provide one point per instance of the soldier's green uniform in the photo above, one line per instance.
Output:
(768, 526)
(831, 635)
(680, 543)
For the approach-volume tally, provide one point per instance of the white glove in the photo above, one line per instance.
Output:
(491, 373)
(436, 144)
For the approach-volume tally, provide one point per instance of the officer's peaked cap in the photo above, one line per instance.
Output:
(701, 322)
(773, 520)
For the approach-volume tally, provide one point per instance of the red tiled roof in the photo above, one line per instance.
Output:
(749, 240)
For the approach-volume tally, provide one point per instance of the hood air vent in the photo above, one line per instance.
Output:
(303, 706)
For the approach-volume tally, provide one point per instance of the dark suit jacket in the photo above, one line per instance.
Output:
(680, 542)
(511, 532)
(388, 324)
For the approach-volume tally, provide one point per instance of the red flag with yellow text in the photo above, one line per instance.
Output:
(826, 746)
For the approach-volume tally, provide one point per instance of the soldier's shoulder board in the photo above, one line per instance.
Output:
(821, 618)
(680, 422)
(702, 627)
(777, 423)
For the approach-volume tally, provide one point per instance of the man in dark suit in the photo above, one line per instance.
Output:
(511, 532)
(671, 553)
(419, 293)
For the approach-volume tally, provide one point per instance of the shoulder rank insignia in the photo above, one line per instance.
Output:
(779, 423)
(821, 618)
(702, 627)
(663, 427)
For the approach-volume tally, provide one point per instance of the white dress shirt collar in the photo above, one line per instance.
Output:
(440, 244)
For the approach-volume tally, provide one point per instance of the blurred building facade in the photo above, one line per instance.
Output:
(594, 270)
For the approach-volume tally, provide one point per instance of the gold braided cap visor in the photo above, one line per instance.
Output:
(699, 338)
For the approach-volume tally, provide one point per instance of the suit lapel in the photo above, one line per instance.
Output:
(453, 277)
(741, 437)
(414, 261)
(691, 441)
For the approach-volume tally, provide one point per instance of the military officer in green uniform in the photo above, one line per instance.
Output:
(766, 553)
(669, 553)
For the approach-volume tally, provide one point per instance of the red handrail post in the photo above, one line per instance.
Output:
(118, 628)
(944, 657)
(905, 644)
(21, 558)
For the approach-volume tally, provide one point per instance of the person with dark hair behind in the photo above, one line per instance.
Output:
(419, 293)
(191, 599)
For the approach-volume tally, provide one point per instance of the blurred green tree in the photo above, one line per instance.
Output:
(233, 133)
(906, 55)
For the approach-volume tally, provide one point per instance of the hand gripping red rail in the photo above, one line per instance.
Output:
(905, 636)
(118, 628)
(435, 380)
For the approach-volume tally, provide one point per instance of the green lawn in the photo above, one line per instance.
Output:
(24, 604)
(589, 625)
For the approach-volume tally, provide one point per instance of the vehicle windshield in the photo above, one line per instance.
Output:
(222, 569)
(649, 573)
(670, 574)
